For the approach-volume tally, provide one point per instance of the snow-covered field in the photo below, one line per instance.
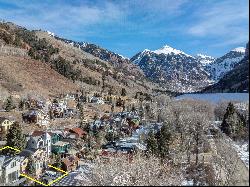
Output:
(217, 97)
(243, 152)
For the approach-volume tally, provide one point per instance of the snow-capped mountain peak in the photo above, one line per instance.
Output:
(224, 64)
(172, 68)
(166, 49)
(146, 50)
(239, 49)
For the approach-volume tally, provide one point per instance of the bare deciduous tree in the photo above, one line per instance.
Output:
(139, 171)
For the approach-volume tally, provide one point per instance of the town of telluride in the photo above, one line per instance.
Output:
(124, 93)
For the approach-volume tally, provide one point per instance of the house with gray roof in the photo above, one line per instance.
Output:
(9, 169)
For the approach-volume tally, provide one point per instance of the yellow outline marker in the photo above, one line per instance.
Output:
(17, 150)
(28, 177)
(57, 179)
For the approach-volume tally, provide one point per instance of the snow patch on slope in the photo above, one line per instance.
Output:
(239, 49)
(243, 152)
(51, 33)
(205, 60)
(218, 70)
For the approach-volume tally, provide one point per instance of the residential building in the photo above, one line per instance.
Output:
(39, 159)
(40, 140)
(60, 147)
(78, 132)
(5, 125)
(70, 163)
(36, 116)
(9, 169)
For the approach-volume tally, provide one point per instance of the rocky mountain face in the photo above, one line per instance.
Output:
(118, 61)
(68, 67)
(173, 69)
(88, 65)
(235, 80)
(219, 67)
(205, 60)
(178, 71)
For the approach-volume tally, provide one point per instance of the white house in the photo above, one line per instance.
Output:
(40, 140)
(9, 169)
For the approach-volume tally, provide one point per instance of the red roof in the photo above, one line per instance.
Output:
(40, 133)
(78, 131)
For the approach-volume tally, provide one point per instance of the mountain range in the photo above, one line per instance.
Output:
(59, 67)
(175, 70)
(235, 80)
(82, 65)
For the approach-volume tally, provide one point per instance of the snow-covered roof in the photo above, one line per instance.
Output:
(60, 143)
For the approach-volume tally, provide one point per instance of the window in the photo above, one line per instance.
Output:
(13, 176)
(13, 164)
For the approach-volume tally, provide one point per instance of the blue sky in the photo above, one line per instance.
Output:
(211, 27)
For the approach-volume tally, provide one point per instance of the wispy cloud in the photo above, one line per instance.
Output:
(132, 25)
(228, 19)
(59, 15)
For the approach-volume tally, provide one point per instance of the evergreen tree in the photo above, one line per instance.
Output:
(225, 126)
(30, 168)
(164, 140)
(152, 144)
(112, 108)
(9, 104)
(100, 138)
(133, 108)
(232, 124)
(15, 138)
(124, 92)
(87, 128)
(21, 105)
(58, 161)
(81, 114)
(111, 136)
(31, 52)
(103, 80)
(51, 114)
